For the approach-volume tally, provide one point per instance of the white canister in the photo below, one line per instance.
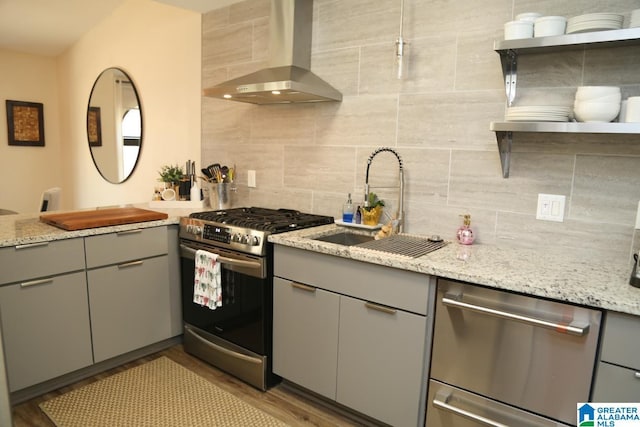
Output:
(518, 30)
(633, 110)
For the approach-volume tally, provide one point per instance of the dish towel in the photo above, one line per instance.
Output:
(207, 288)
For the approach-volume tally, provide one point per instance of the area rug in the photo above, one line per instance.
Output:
(157, 393)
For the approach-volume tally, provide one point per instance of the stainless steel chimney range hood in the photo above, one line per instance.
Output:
(288, 78)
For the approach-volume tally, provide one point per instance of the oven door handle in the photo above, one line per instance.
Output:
(225, 260)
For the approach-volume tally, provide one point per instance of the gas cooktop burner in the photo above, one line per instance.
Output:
(272, 220)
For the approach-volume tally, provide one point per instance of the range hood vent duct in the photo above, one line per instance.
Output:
(288, 78)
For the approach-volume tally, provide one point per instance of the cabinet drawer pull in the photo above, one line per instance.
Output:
(122, 233)
(303, 287)
(130, 264)
(31, 245)
(452, 300)
(36, 282)
(381, 308)
(443, 404)
(637, 375)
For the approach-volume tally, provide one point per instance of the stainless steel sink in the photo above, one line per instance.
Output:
(345, 238)
(398, 244)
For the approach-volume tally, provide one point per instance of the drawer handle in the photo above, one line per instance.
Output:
(444, 404)
(303, 287)
(637, 375)
(456, 301)
(31, 245)
(122, 233)
(36, 282)
(381, 308)
(130, 264)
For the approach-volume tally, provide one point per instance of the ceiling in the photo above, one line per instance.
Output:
(49, 27)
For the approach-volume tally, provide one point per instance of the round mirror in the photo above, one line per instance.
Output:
(114, 125)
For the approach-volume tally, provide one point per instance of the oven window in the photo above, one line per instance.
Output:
(240, 319)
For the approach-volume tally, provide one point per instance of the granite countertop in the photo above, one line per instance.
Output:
(554, 276)
(21, 229)
(562, 278)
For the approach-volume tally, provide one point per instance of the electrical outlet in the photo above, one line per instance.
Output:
(550, 207)
(251, 178)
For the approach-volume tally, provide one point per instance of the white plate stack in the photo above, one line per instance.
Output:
(538, 113)
(594, 22)
(635, 19)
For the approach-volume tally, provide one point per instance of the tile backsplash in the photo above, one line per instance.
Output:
(308, 157)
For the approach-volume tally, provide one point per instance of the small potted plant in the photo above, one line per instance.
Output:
(371, 214)
(171, 175)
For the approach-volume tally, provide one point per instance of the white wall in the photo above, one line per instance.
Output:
(27, 171)
(159, 46)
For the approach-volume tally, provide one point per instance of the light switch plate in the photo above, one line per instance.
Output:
(251, 178)
(550, 207)
(638, 218)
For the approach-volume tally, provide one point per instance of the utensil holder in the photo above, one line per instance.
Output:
(220, 195)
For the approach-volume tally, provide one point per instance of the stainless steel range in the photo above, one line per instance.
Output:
(236, 337)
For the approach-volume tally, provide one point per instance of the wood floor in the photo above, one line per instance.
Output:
(278, 401)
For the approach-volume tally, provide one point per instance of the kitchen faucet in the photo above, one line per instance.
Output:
(399, 220)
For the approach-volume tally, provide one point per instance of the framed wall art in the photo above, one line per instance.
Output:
(25, 123)
(94, 127)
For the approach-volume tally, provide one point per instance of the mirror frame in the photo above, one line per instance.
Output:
(93, 120)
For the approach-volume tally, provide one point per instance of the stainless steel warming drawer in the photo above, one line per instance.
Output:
(526, 353)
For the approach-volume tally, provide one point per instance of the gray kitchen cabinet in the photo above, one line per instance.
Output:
(618, 375)
(130, 290)
(43, 301)
(380, 361)
(373, 331)
(305, 342)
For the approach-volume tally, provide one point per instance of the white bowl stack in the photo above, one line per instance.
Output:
(597, 103)
(546, 26)
(521, 27)
(594, 22)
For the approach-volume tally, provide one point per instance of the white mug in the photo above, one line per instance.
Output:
(633, 110)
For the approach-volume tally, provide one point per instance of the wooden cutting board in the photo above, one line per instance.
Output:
(80, 220)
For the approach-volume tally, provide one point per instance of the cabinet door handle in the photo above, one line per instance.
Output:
(303, 287)
(381, 308)
(456, 301)
(36, 282)
(637, 375)
(122, 233)
(130, 264)
(31, 245)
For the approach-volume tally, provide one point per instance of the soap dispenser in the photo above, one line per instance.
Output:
(347, 210)
(465, 233)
